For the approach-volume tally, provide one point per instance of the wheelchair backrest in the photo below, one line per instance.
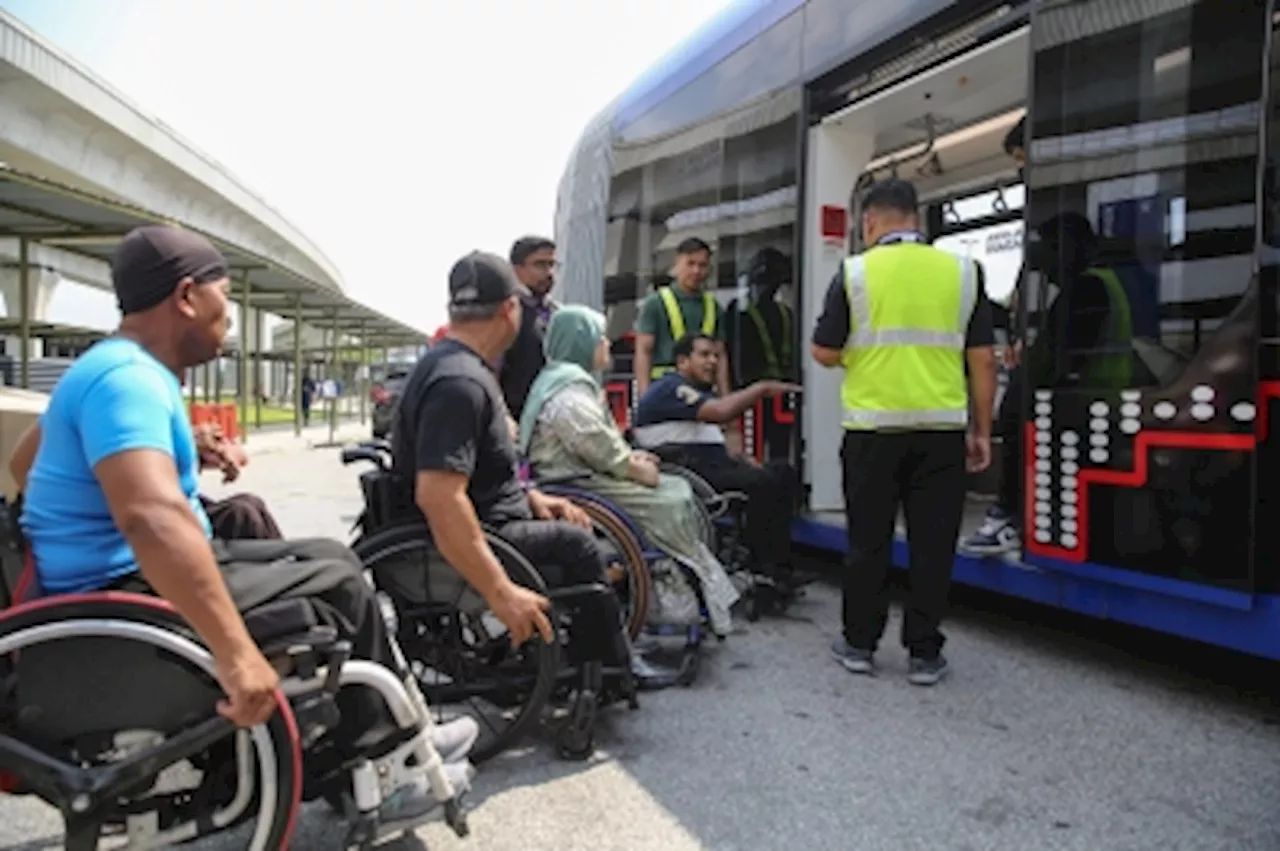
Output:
(388, 498)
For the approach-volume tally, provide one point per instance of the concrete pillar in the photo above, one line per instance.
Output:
(41, 282)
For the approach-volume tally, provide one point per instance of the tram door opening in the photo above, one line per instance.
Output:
(1139, 381)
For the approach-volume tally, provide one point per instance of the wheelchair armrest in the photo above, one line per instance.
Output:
(577, 593)
(560, 481)
(351, 454)
(722, 503)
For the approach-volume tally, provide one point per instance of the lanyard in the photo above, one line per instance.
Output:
(902, 236)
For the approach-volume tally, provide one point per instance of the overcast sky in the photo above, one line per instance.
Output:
(397, 134)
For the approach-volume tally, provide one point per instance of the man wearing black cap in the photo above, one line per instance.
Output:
(452, 439)
(112, 503)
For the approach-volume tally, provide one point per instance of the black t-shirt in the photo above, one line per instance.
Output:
(452, 417)
(833, 327)
(525, 359)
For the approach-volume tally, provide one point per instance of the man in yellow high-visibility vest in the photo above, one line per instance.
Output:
(905, 320)
(675, 310)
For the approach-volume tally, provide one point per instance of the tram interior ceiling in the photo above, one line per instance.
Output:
(37, 212)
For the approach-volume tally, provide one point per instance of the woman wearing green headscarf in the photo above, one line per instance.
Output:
(567, 429)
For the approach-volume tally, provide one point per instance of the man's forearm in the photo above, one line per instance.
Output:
(174, 557)
(982, 385)
(456, 531)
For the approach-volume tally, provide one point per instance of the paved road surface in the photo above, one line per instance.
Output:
(1042, 740)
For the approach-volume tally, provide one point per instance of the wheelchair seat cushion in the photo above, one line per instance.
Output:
(280, 619)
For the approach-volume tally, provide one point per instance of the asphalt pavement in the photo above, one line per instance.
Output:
(1052, 733)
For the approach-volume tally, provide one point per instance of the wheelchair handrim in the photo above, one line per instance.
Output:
(267, 833)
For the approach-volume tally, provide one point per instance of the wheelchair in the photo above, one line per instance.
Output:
(460, 653)
(107, 713)
(630, 549)
(722, 519)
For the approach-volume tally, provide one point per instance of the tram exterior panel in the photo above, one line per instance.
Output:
(1154, 121)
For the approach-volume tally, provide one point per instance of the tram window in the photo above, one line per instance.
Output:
(758, 215)
(1143, 163)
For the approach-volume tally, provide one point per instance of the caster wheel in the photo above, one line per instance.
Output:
(455, 815)
(575, 745)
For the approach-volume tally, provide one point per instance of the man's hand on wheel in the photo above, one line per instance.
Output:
(250, 683)
(557, 508)
(522, 612)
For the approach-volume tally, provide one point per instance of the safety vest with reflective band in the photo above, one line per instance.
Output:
(909, 310)
(1110, 363)
(775, 368)
(675, 319)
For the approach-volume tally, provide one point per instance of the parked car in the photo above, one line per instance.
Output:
(385, 394)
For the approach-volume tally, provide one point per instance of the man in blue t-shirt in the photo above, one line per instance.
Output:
(111, 502)
(682, 420)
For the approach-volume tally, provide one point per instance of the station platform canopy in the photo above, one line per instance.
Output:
(35, 209)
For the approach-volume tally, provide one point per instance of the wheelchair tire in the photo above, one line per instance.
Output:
(94, 624)
(702, 492)
(403, 539)
(639, 580)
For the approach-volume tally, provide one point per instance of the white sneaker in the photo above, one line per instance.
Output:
(414, 800)
(453, 739)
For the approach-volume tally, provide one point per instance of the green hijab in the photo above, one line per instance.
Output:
(570, 347)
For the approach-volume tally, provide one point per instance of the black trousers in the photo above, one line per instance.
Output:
(924, 473)
(771, 490)
(565, 554)
(329, 575)
(1009, 427)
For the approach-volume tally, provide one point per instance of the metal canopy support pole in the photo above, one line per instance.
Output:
(258, 383)
(333, 368)
(297, 364)
(244, 361)
(24, 312)
(367, 368)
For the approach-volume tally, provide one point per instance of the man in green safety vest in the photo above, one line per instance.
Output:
(759, 335)
(904, 320)
(759, 329)
(1085, 340)
(672, 311)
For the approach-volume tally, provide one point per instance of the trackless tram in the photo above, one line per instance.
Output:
(1154, 503)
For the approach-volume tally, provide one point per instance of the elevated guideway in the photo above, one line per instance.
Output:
(81, 165)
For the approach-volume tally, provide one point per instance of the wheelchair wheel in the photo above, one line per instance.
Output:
(635, 587)
(703, 493)
(103, 679)
(460, 653)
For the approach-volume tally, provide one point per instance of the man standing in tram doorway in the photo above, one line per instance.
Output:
(759, 334)
(904, 319)
(672, 311)
(534, 260)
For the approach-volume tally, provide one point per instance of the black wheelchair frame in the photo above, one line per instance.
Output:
(114, 767)
(429, 628)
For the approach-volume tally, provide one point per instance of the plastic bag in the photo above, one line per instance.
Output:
(674, 602)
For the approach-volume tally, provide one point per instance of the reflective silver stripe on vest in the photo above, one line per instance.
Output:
(863, 335)
(907, 419)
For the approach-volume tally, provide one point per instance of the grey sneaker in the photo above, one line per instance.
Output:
(453, 739)
(855, 661)
(414, 800)
(926, 672)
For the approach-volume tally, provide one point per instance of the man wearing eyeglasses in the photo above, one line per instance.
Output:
(534, 261)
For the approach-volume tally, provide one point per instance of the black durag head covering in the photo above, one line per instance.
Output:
(151, 261)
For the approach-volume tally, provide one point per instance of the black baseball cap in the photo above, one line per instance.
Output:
(481, 279)
(151, 261)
